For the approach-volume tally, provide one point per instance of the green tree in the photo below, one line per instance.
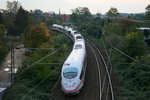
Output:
(112, 28)
(134, 42)
(112, 13)
(9, 16)
(2, 29)
(98, 15)
(1, 19)
(34, 37)
(21, 21)
(148, 12)
(92, 28)
(80, 14)
(38, 16)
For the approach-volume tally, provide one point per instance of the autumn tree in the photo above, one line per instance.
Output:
(44, 27)
(36, 35)
(112, 13)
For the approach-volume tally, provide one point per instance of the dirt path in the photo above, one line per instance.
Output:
(5, 68)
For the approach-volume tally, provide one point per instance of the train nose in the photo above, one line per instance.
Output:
(69, 85)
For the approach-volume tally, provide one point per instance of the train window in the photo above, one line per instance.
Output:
(70, 73)
(76, 33)
(69, 32)
(66, 64)
(78, 46)
(79, 37)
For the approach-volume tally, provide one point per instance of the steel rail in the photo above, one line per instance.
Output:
(98, 66)
(108, 74)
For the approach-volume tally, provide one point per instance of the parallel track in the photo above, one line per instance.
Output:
(97, 80)
(107, 73)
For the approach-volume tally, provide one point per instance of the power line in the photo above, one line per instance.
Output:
(37, 62)
(44, 78)
(50, 63)
(125, 53)
(137, 21)
(131, 45)
(38, 84)
(41, 48)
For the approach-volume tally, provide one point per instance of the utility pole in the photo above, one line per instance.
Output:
(12, 67)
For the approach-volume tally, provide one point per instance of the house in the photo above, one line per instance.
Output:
(146, 31)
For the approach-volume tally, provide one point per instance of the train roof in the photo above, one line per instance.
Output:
(75, 59)
(69, 29)
(55, 25)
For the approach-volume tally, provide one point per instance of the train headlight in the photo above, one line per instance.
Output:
(66, 85)
(74, 84)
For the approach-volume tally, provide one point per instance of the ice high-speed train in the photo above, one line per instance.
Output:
(74, 68)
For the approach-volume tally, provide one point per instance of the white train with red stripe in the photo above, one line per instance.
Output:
(74, 68)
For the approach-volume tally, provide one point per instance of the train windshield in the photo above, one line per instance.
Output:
(79, 37)
(78, 47)
(70, 73)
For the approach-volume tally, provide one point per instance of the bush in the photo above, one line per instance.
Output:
(34, 75)
(3, 53)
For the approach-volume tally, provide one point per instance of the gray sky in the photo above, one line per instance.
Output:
(101, 6)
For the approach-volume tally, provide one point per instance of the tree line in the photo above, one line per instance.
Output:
(131, 78)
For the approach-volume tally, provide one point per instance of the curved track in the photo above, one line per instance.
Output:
(96, 85)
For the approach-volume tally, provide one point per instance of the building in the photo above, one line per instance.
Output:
(50, 14)
(146, 31)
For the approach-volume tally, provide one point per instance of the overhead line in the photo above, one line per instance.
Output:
(37, 62)
(125, 53)
(42, 80)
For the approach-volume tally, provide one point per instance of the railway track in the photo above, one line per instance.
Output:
(106, 92)
(97, 85)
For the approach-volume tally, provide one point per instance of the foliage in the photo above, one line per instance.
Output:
(10, 13)
(13, 7)
(148, 12)
(139, 17)
(126, 25)
(2, 29)
(8, 18)
(93, 27)
(21, 21)
(44, 27)
(113, 13)
(111, 28)
(80, 14)
(31, 77)
(34, 37)
(37, 15)
(134, 45)
(133, 78)
(3, 53)
(1, 19)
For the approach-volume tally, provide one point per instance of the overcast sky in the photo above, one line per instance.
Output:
(101, 6)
